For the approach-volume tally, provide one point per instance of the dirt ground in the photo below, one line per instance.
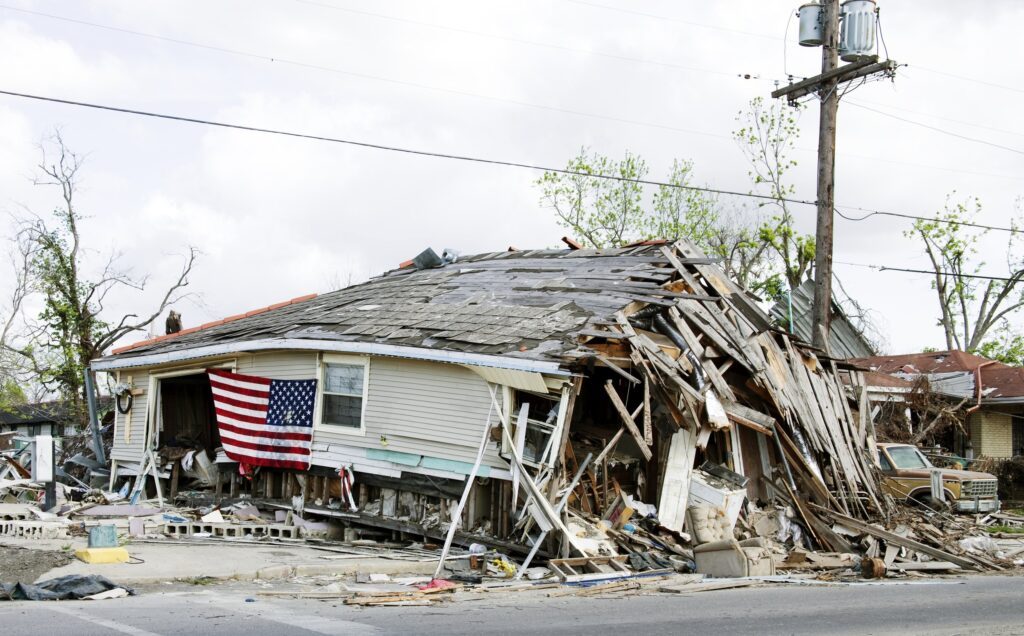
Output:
(25, 566)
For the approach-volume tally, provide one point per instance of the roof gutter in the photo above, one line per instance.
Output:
(111, 363)
(977, 384)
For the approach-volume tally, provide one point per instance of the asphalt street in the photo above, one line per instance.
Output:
(976, 605)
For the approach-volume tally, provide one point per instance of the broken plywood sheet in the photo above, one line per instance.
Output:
(675, 485)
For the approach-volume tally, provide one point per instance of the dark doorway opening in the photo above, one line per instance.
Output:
(187, 413)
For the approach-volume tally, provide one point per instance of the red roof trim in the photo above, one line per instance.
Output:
(215, 323)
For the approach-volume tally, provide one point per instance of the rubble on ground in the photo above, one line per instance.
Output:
(676, 381)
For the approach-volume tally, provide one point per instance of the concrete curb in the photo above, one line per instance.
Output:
(272, 572)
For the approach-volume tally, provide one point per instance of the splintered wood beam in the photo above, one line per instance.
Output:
(627, 420)
(895, 539)
(617, 369)
(648, 428)
(742, 421)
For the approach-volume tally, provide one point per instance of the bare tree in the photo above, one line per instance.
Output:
(72, 328)
(971, 307)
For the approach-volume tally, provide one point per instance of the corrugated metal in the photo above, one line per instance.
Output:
(845, 341)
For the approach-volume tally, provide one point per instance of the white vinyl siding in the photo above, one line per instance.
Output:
(131, 447)
(424, 408)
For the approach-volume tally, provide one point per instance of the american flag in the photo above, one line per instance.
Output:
(264, 422)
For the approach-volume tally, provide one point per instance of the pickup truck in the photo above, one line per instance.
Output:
(906, 475)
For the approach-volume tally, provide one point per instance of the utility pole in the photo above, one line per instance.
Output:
(857, 48)
(821, 317)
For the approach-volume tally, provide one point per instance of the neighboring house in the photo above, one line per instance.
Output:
(415, 366)
(29, 420)
(992, 393)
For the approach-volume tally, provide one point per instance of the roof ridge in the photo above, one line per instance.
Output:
(215, 323)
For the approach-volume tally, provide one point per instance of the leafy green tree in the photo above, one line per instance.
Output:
(605, 213)
(766, 135)
(1004, 345)
(600, 212)
(71, 329)
(970, 308)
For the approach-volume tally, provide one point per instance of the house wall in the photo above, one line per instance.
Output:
(991, 434)
(423, 416)
(130, 428)
(416, 408)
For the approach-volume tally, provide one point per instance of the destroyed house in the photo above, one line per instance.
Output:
(989, 393)
(621, 381)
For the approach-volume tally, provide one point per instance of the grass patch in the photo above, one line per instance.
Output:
(199, 580)
(1006, 529)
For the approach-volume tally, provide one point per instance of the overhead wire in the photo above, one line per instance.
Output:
(411, 151)
(483, 160)
(937, 129)
(1015, 89)
(871, 213)
(536, 43)
(930, 272)
(703, 25)
(366, 76)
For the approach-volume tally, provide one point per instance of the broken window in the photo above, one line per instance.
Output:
(540, 424)
(343, 390)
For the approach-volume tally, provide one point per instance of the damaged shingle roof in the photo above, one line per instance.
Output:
(531, 304)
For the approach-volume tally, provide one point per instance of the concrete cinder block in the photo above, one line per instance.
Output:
(36, 530)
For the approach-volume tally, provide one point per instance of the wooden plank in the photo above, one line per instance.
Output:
(892, 537)
(648, 427)
(675, 485)
(627, 420)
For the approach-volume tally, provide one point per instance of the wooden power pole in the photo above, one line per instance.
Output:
(821, 317)
(827, 85)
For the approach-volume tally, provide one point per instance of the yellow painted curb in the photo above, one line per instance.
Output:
(103, 555)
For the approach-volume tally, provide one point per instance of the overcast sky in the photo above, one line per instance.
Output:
(529, 81)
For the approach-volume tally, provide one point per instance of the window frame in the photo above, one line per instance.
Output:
(321, 393)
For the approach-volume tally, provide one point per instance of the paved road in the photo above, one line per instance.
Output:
(979, 605)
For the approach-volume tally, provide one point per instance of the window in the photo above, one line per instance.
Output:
(884, 462)
(343, 387)
(907, 457)
(540, 424)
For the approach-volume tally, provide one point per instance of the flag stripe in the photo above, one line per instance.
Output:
(245, 402)
(242, 381)
(264, 422)
(223, 388)
(238, 431)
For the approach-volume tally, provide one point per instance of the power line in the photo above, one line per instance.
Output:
(366, 76)
(702, 25)
(536, 43)
(317, 67)
(943, 118)
(871, 213)
(969, 79)
(411, 151)
(930, 272)
(499, 162)
(937, 129)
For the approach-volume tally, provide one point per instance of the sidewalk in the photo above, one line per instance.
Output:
(180, 560)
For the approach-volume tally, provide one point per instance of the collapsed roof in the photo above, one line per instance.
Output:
(531, 304)
(955, 373)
